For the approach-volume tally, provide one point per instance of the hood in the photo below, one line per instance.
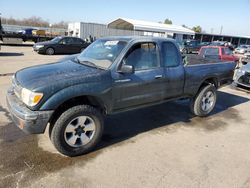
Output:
(57, 75)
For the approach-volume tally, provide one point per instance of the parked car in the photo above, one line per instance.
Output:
(191, 46)
(223, 43)
(246, 58)
(218, 52)
(61, 45)
(242, 49)
(242, 76)
(113, 74)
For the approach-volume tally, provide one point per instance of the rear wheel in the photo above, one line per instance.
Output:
(50, 51)
(205, 100)
(77, 130)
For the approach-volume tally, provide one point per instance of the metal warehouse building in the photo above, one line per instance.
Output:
(124, 26)
(236, 40)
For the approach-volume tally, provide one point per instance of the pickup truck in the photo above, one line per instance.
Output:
(112, 75)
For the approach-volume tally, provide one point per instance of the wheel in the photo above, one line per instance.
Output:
(77, 130)
(204, 102)
(50, 51)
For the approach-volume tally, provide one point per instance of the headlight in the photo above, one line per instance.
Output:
(30, 98)
(39, 46)
(241, 71)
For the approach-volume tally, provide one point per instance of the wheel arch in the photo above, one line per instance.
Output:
(209, 80)
(78, 100)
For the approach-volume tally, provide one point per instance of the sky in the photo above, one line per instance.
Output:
(211, 15)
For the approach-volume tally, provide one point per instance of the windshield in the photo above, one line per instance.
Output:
(102, 53)
(56, 39)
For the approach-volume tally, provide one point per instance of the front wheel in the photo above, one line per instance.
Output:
(77, 131)
(204, 102)
(50, 51)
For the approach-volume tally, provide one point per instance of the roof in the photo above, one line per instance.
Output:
(137, 38)
(131, 24)
(224, 35)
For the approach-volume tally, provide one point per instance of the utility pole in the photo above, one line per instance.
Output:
(221, 29)
(212, 30)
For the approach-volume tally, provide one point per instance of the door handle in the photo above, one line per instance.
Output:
(158, 76)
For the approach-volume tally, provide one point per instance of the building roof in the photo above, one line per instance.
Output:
(225, 35)
(131, 24)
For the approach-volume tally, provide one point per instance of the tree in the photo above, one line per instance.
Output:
(183, 25)
(167, 21)
(33, 21)
(197, 29)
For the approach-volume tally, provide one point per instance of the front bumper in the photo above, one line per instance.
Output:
(31, 122)
(39, 50)
(242, 79)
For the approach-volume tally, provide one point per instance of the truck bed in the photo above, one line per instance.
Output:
(194, 59)
(199, 69)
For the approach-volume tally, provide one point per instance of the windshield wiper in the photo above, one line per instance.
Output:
(87, 63)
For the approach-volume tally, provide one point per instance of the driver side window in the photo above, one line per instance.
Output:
(66, 41)
(143, 56)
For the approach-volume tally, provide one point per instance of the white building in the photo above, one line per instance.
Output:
(124, 26)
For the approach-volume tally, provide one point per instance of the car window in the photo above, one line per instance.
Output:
(77, 41)
(143, 56)
(66, 41)
(209, 51)
(170, 55)
(226, 51)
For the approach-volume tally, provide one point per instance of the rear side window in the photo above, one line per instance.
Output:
(170, 55)
(209, 51)
(77, 41)
(226, 51)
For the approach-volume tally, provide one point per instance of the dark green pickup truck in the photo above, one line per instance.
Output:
(112, 75)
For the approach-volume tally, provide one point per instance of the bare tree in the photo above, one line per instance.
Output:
(33, 21)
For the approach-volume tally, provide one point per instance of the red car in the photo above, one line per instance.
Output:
(218, 52)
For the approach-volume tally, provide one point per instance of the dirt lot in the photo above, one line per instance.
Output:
(161, 146)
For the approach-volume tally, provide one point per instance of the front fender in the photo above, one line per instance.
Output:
(102, 92)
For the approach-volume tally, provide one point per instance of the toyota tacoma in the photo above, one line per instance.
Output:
(113, 74)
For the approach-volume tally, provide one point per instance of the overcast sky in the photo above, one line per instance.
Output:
(211, 15)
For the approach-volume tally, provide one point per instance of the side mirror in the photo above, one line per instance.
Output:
(127, 69)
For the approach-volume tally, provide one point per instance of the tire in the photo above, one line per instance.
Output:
(71, 140)
(204, 102)
(50, 51)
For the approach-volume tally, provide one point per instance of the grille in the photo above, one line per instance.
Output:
(245, 79)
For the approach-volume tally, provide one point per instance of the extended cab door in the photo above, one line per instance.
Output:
(173, 69)
(146, 84)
